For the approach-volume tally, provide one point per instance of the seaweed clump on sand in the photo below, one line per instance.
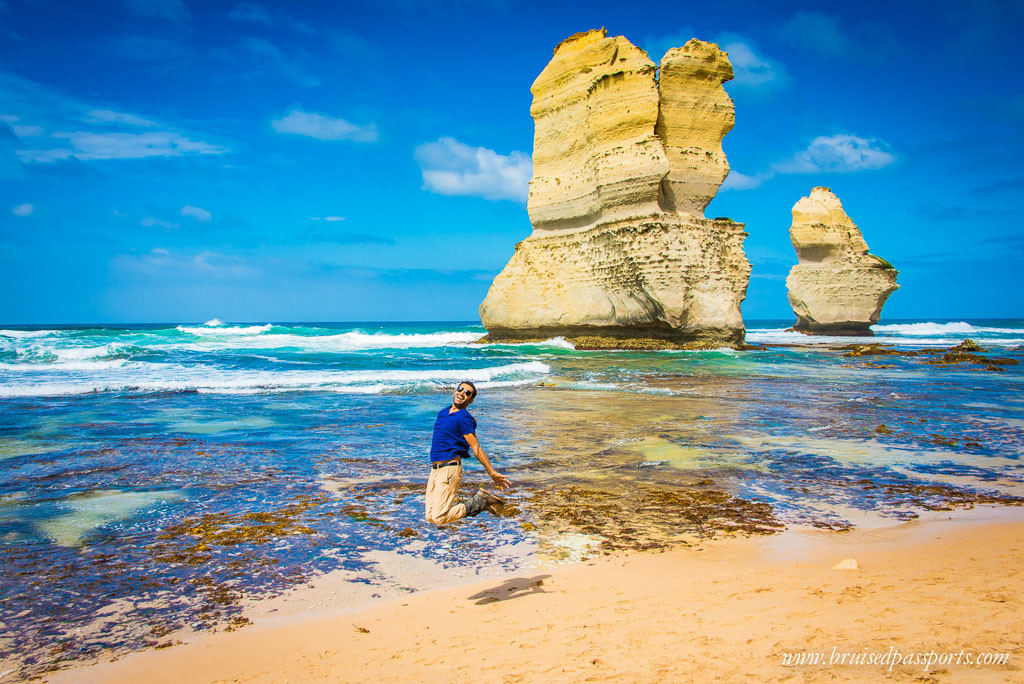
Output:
(708, 511)
(937, 497)
(648, 519)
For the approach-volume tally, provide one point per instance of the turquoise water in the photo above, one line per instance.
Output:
(151, 477)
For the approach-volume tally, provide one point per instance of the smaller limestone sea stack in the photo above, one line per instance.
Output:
(837, 288)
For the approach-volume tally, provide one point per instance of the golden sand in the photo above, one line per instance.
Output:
(731, 610)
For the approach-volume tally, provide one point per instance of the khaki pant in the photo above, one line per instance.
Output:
(441, 489)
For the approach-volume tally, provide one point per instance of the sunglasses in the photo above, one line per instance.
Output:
(461, 390)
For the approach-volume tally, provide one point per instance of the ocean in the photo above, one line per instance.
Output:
(160, 477)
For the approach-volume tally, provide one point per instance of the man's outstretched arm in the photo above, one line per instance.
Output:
(500, 480)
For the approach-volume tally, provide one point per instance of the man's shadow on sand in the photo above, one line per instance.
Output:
(513, 588)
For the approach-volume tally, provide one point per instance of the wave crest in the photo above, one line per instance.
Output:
(144, 377)
(221, 329)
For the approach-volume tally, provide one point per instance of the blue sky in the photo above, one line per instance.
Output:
(171, 161)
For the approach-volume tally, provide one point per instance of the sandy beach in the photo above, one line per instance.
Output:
(939, 590)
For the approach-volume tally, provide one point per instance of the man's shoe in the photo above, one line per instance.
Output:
(492, 503)
(482, 501)
(490, 498)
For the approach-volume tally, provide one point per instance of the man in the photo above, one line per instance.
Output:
(454, 436)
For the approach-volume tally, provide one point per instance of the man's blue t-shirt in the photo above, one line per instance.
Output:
(449, 429)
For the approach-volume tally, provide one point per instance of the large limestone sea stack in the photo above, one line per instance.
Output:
(837, 287)
(624, 163)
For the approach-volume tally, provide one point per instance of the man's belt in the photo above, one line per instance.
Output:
(435, 466)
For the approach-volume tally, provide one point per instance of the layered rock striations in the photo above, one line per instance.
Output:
(624, 164)
(837, 287)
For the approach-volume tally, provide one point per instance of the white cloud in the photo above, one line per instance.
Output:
(199, 214)
(23, 210)
(740, 181)
(327, 218)
(454, 168)
(85, 130)
(110, 116)
(837, 154)
(258, 14)
(173, 10)
(250, 11)
(749, 67)
(816, 30)
(269, 57)
(160, 261)
(323, 127)
(825, 154)
(19, 130)
(153, 221)
(262, 48)
(87, 145)
(27, 131)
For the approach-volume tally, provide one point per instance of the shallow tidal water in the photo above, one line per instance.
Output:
(156, 478)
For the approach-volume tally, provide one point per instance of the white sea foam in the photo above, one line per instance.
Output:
(342, 342)
(960, 328)
(147, 377)
(79, 353)
(39, 357)
(221, 329)
(28, 333)
(67, 366)
(213, 323)
(783, 336)
(558, 342)
(32, 352)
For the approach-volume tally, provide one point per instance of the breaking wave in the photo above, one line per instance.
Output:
(960, 328)
(906, 334)
(221, 329)
(143, 377)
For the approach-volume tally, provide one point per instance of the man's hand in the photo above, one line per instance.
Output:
(500, 481)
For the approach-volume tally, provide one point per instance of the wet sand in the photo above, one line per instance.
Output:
(731, 608)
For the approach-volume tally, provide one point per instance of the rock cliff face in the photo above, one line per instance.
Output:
(837, 287)
(623, 166)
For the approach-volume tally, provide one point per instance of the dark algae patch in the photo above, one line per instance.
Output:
(967, 352)
(858, 350)
(938, 497)
(195, 541)
(646, 519)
